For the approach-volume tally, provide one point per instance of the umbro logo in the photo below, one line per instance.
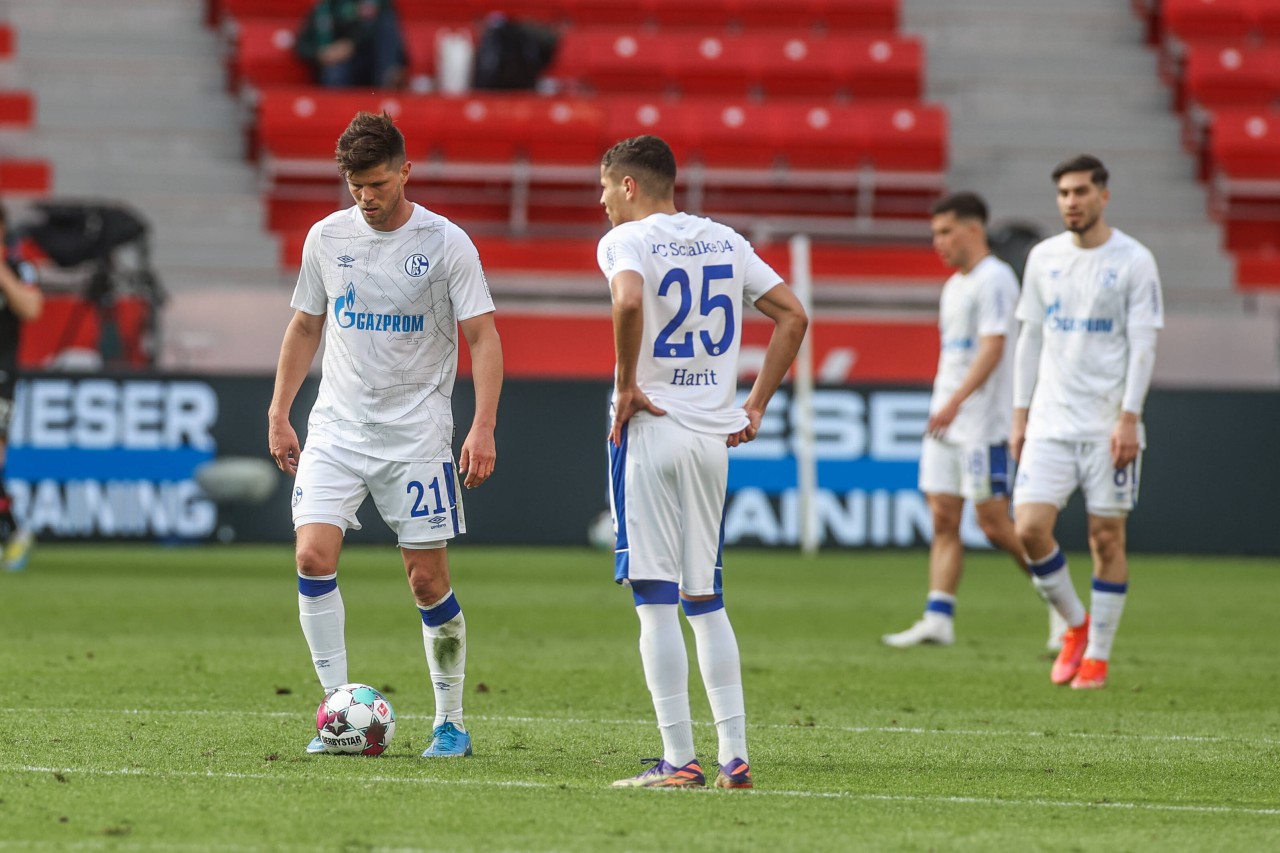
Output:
(346, 261)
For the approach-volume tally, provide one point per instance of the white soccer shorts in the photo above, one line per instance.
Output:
(668, 504)
(1051, 470)
(978, 473)
(420, 501)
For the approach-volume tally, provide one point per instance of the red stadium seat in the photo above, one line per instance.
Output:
(17, 110)
(7, 41)
(1232, 75)
(1245, 144)
(25, 177)
(1193, 20)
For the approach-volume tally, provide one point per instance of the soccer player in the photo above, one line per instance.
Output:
(965, 453)
(678, 284)
(1090, 308)
(20, 302)
(387, 283)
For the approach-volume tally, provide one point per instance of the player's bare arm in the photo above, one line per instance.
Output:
(628, 326)
(24, 300)
(479, 453)
(789, 324)
(301, 341)
(1124, 440)
(990, 351)
(1018, 434)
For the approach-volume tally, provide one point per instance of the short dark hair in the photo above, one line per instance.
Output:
(648, 159)
(965, 205)
(1083, 163)
(370, 140)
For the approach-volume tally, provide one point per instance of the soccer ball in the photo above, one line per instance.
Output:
(355, 719)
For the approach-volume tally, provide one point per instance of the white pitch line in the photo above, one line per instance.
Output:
(572, 721)
(758, 792)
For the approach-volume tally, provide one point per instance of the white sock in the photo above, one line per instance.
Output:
(1057, 625)
(1052, 579)
(721, 668)
(444, 636)
(666, 672)
(323, 618)
(1106, 601)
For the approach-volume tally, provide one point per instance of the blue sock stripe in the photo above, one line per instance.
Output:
(1049, 564)
(443, 612)
(698, 608)
(316, 587)
(1100, 585)
(937, 605)
(655, 592)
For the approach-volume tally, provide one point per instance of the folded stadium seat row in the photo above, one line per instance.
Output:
(877, 15)
(7, 41)
(772, 64)
(1196, 20)
(301, 125)
(25, 177)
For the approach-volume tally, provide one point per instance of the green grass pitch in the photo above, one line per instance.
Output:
(159, 699)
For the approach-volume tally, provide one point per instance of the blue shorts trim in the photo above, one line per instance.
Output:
(698, 608)
(655, 592)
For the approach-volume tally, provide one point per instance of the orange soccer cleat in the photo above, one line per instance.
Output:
(1068, 662)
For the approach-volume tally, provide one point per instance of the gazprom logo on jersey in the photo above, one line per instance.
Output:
(867, 445)
(345, 315)
(416, 265)
(1054, 320)
(101, 457)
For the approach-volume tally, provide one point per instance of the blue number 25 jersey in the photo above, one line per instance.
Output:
(698, 275)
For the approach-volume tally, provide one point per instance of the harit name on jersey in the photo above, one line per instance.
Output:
(368, 321)
(680, 376)
(676, 249)
(1055, 322)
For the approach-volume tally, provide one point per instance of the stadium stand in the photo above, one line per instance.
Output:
(1222, 60)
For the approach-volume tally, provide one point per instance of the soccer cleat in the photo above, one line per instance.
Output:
(1092, 675)
(316, 747)
(938, 632)
(448, 741)
(735, 774)
(1057, 627)
(1073, 645)
(665, 775)
(17, 550)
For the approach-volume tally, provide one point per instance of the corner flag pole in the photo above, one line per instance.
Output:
(802, 408)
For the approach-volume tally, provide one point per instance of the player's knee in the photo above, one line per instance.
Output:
(701, 606)
(1106, 543)
(313, 562)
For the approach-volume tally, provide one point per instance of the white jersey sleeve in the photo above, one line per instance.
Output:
(698, 275)
(309, 295)
(468, 287)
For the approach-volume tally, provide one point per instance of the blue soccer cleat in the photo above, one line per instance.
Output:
(316, 747)
(448, 741)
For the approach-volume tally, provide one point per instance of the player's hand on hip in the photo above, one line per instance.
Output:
(626, 404)
(478, 458)
(282, 443)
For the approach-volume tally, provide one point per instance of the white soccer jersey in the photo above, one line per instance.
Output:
(698, 275)
(1086, 300)
(392, 301)
(975, 305)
